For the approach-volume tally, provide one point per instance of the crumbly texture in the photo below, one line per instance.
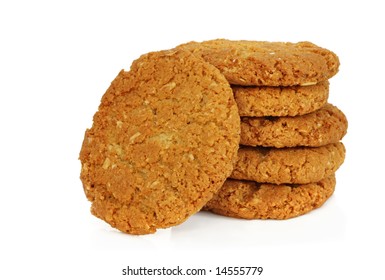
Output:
(252, 200)
(299, 165)
(324, 126)
(280, 101)
(260, 63)
(162, 143)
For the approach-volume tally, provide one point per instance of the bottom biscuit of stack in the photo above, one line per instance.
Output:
(252, 200)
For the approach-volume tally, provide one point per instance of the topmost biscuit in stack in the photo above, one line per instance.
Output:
(290, 135)
(253, 63)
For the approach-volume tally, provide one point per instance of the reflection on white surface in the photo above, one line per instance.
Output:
(211, 231)
(324, 224)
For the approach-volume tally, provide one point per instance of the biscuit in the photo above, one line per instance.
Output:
(163, 141)
(257, 63)
(251, 200)
(280, 101)
(324, 126)
(298, 165)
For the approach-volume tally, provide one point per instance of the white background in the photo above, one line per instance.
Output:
(57, 58)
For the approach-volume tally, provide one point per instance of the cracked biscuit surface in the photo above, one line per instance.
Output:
(298, 165)
(252, 200)
(280, 101)
(163, 141)
(258, 63)
(324, 126)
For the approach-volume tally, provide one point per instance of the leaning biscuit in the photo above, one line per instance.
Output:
(298, 165)
(280, 101)
(324, 126)
(162, 142)
(252, 200)
(256, 63)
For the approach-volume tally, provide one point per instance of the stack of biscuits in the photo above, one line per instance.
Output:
(290, 143)
(239, 128)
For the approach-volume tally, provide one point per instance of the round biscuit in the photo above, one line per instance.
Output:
(252, 200)
(280, 101)
(259, 63)
(297, 165)
(324, 126)
(163, 141)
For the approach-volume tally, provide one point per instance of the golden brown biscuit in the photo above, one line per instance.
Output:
(280, 101)
(298, 165)
(324, 126)
(162, 142)
(259, 63)
(251, 200)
